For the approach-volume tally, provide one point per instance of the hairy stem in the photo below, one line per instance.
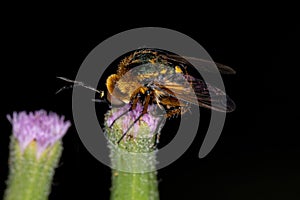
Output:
(133, 161)
(30, 176)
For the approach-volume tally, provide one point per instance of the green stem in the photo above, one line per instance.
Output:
(133, 160)
(134, 186)
(29, 176)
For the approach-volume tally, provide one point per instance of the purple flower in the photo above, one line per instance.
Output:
(39, 126)
(126, 120)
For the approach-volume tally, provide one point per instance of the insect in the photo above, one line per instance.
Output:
(154, 76)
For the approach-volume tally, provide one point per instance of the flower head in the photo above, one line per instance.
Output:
(39, 126)
(150, 120)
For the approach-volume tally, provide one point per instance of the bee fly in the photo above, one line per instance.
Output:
(152, 76)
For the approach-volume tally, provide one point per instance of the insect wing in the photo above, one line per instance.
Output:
(198, 92)
(201, 64)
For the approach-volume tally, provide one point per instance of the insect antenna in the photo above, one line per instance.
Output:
(65, 88)
(100, 101)
(78, 83)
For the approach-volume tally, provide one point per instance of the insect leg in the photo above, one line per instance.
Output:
(132, 107)
(135, 101)
(173, 113)
(124, 113)
(147, 100)
(145, 108)
(131, 125)
(158, 131)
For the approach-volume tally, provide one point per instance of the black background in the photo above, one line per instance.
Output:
(257, 156)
